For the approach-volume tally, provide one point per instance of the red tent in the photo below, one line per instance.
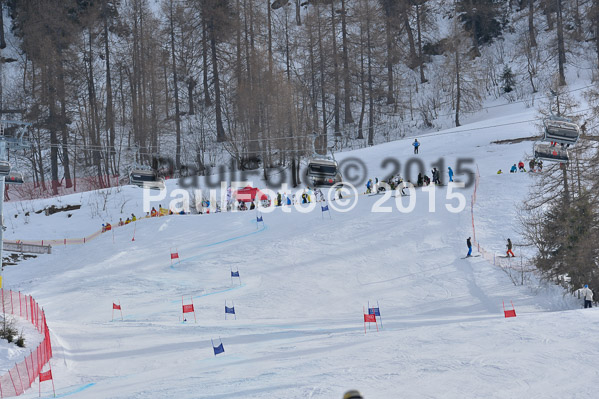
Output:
(248, 194)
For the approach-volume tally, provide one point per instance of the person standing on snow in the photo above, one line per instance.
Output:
(514, 169)
(416, 144)
(587, 295)
(450, 172)
(521, 166)
(509, 248)
(369, 186)
(469, 244)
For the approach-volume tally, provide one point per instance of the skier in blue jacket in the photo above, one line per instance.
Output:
(416, 144)
(469, 244)
(450, 173)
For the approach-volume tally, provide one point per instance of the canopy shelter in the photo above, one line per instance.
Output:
(249, 194)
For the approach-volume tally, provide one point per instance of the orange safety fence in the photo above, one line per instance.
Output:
(69, 241)
(19, 378)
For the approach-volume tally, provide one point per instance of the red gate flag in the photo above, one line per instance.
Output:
(369, 318)
(175, 256)
(188, 309)
(509, 313)
(115, 306)
(46, 376)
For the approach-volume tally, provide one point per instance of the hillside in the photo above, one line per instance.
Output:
(305, 278)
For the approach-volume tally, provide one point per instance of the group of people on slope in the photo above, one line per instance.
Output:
(533, 166)
(107, 226)
(585, 292)
(509, 247)
(153, 213)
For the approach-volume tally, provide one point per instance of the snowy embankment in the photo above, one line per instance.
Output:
(304, 282)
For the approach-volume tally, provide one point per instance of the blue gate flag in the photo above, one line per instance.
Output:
(325, 208)
(218, 349)
(259, 219)
(230, 310)
(234, 274)
(374, 311)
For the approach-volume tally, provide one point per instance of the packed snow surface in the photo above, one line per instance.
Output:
(304, 281)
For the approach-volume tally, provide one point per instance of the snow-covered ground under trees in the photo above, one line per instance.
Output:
(305, 279)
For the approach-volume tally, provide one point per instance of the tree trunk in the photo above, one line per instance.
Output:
(191, 84)
(207, 100)
(298, 14)
(2, 40)
(176, 86)
(458, 88)
(370, 86)
(346, 84)
(52, 128)
(531, 23)
(420, 59)
(406, 22)
(269, 22)
(109, 107)
(220, 130)
(324, 138)
(336, 107)
(388, 37)
(63, 126)
(596, 26)
(362, 86)
(313, 95)
(561, 50)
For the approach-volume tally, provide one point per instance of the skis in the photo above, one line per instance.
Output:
(471, 256)
(500, 256)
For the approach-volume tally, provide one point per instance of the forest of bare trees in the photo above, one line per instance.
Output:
(109, 84)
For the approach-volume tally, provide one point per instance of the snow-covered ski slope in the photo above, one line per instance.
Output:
(304, 282)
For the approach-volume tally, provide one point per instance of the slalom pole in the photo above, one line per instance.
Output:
(363, 319)
(379, 308)
(121, 309)
(194, 311)
(368, 304)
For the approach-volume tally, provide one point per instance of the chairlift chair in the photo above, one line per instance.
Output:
(323, 172)
(4, 168)
(550, 153)
(562, 132)
(14, 178)
(146, 178)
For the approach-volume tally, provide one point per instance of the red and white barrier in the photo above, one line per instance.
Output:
(23, 374)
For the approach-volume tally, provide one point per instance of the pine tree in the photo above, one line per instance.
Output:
(508, 79)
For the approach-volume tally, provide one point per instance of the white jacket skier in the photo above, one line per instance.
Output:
(586, 293)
